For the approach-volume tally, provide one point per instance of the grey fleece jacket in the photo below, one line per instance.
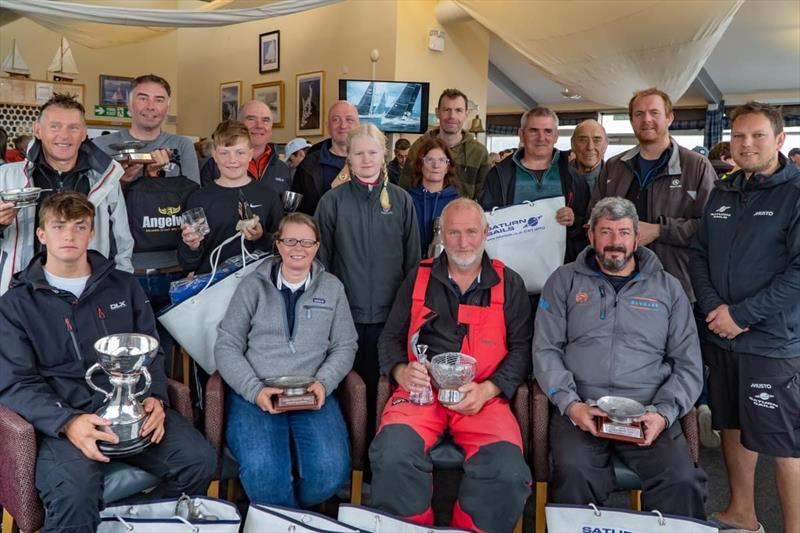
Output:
(641, 343)
(253, 340)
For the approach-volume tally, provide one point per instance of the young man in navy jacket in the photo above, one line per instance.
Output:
(66, 299)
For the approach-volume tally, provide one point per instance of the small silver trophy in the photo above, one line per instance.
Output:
(451, 370)
(436, 246)
(123, 356)
(131, 152)
(422, 396)
(291, 201)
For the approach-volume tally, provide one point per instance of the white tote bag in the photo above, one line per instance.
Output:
(193, 322)
(374, 521)
(262, 518)
(593, 519)
(180, 515)
(527, 238)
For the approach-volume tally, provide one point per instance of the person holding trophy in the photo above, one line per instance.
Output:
(285, 344)
(473, 318)
(69, 309)
(615, 335)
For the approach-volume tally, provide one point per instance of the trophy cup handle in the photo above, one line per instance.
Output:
(88, 377)
(147, 382)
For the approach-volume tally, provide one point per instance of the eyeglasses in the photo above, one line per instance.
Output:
(305, 243)
(432, 160)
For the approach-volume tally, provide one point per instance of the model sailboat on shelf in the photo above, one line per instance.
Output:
(63, 66)
(14, 65)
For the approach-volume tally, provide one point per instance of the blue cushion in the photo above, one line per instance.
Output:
(122, 481)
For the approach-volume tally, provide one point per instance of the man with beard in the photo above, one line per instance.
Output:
(459, 302)
(745, 265)
(614, 322)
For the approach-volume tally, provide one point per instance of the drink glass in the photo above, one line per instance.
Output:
(422, 396)
(196, 219)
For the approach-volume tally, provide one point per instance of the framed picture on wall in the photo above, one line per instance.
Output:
(114, 90)
(310, 103)
(230, 95)
(272, 94)
(269, 52)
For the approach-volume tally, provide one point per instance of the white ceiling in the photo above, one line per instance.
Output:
(759, 52)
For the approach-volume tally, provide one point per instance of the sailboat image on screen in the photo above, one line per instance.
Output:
(63, 66)
(14, 65)
(393, 106)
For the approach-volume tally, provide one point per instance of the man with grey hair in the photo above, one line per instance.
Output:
(459, 302)
(265, 166)
(538, 170)
(614, 322)
(325, 161)
(589, 144)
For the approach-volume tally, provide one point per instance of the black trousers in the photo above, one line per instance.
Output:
(71, 485)
(582, 470)
(366, 365)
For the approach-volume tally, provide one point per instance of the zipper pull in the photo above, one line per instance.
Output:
(71, 332)
(291, 347)
(102, 316)
(603, 303)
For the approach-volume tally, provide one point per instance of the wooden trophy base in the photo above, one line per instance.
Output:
(144, 158)
(608, 429)
(296, 402)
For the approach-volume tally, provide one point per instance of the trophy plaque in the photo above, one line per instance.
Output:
(131, 152)
(619, 424)
(122, 357)
(293, 396)
(451, 370)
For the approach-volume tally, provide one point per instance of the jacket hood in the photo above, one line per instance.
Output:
(465, 136)
(788, 173)
(448, 193)
(647, 261)
(33, 275)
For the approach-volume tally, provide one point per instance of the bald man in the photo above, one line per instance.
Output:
(326, 159)
(589, 143)
(265, 167)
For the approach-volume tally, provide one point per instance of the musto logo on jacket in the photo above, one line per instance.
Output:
(168, 220)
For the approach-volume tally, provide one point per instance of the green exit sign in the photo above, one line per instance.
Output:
(111, 111)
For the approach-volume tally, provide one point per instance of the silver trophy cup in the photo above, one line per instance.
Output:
(451, 370)
(123, 357)
(291, 201)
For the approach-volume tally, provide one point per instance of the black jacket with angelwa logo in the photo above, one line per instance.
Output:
(47, 341)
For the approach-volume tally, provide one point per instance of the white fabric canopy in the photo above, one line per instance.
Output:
(98, 26)
(605, 51)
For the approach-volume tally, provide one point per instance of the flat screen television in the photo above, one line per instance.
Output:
(393, 106)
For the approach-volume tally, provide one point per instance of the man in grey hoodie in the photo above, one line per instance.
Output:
(614, 322)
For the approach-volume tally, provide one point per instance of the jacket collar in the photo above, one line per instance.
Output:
(787, 172)
(265, 270)
(648, 262)
(674, 163)
(34, 276)
(97, 160)
(488, 277)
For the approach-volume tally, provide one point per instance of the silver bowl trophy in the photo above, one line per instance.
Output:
(123, 357)
(294, 395)
(131, 152)
(291, 201)
(619, 422)
(451, 370)
(24, 197)
(423, 396)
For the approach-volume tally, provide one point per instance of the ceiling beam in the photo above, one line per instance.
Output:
(705, 84)
(517, 93)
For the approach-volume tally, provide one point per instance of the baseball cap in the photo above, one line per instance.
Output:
(294, 145)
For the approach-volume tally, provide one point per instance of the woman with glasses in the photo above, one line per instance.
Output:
(288, 318)
(370, 241)
(434, 185)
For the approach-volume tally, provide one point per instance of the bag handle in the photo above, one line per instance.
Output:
(213, 257)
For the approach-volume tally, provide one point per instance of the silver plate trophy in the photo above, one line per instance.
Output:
(24, 197)
(131, 152)
(123, 357)
(451, 370)
(619, 422)
(293, 396)
(291, 201)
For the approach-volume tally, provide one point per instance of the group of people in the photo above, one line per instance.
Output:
(667, 269)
